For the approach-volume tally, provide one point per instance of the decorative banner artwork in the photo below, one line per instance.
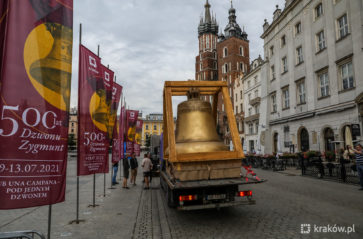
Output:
(93, 108)
(116, 142)
(138, 136)
(131, 118)
(36, 60)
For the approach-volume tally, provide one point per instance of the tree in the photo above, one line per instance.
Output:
(147, 143)
(71, 142)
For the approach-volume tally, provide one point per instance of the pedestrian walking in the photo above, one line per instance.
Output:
(134, 165)
(115, 169)
(126, 170)
(146, 165)
(359, 161)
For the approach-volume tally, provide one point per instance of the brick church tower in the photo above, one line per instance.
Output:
(233, 62)
(206, 61)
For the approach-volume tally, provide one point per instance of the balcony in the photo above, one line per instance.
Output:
(252, 117)
(255, 101)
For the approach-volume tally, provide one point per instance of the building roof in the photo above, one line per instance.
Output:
(233, 29)
(209, 23)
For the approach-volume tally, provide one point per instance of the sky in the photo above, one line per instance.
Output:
(148, 42)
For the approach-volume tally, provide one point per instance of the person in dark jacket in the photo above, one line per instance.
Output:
(134, 165)
(126, 170)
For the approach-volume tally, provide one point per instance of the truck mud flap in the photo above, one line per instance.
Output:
(216, 205)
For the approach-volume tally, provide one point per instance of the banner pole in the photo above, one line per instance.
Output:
(49, 220)
(77, 198)
(94, 175)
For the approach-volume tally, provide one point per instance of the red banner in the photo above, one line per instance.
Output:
(138, 137)
(36, 69)
(116, 139)
(131, 118)
(94, 102)
(122, 130)
(108, 76)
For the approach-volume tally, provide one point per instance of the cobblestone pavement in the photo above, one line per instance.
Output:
(284, 202)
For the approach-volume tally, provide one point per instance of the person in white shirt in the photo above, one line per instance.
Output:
(146, 165)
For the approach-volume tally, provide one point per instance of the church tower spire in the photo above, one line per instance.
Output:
(206, 61)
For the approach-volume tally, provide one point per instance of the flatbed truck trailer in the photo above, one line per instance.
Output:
(204, 194)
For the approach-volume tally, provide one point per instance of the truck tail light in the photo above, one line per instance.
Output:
(245, 193)
(187, 198)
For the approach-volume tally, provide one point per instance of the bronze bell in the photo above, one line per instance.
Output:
(195, 127)
(55, 70)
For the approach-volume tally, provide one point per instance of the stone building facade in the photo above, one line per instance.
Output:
(152, 125)
(251, 95)
(312, 91)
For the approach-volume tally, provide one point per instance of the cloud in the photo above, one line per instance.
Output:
(147, 42)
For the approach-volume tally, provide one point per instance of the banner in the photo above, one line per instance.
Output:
(94, 102)
(36, 69)
(108, 76)
(122, 131)
(131, 118)
(138, 137)
(116, 136)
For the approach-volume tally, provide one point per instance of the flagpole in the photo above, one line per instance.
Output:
(94, 175)
(77, 200)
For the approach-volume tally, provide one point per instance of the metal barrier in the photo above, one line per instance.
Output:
(345, 171)
(21, 235)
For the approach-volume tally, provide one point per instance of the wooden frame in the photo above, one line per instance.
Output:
(180, 88)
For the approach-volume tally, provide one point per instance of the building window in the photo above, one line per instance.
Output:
(225, 68)
(299, 55)
(236, 109)
(256, 127)
(257, 109)
(272, 72)
(283, 41)
(241, 107)
(273, 103)
(241, 95)
(256, 93)
(236, 97)
(346, 75)
(72, 130)
(249, 98)
(72, 124)
(320, 41)
(225, 52)
(248, 84)
(300, 86)
(285, 98)
(323, 82)
(155, 127)
(271, 51)
(215, 65)
(284, 64)
(249, 111)
(342, 24)
(250, 128)
(256, 80)
(207, 40)
(147, 127)
(318, 10)
(241, 51)
(298, 28)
